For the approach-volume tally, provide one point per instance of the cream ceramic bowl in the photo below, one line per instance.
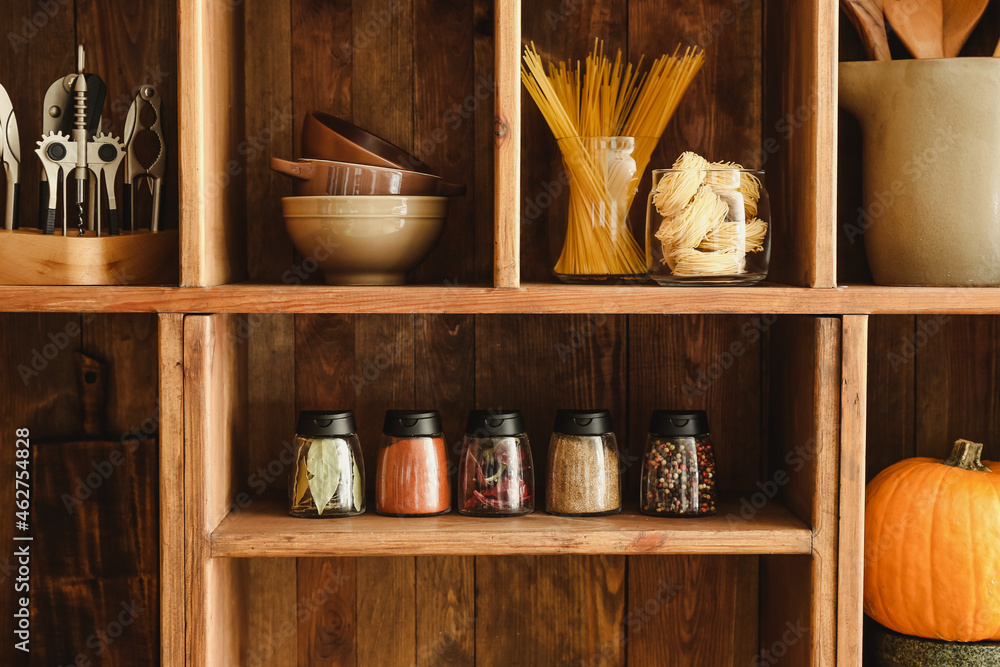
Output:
(357, 240)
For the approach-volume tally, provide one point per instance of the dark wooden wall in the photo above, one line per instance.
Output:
(87, 563)
(106, 552)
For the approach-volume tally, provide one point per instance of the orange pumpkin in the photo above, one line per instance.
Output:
(932, 547)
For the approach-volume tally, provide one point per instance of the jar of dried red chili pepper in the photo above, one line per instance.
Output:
(678, 470)
(412, 475)
(495, 477)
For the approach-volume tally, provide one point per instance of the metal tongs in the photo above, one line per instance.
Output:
(135, 170)
(10, 154)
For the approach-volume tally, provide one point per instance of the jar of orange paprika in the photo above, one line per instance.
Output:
(412, 475)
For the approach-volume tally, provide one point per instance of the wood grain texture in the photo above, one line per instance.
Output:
(39, 394)
(131, 44)
(446, 611)
(891, 386)
(787, 598)
(560, 31)
(212, 176)
(127, 345)
(324, 349)
(805, 466)
(484, 51)
(446, 98)
(172, 498)
(957, 384)
(264, 530)
(585, 594)
(322, 50)
(387, 611)
(269, 81)
(270, 597)
(692, 610)
(214, 424)
(327, 611)
(95, 570)
(34, 59)
(507, 144)
(800, 139)
(853, 417)
(140, 258)
(552, 299)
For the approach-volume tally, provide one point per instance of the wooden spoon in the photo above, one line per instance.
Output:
(867, 17)
(934, 28)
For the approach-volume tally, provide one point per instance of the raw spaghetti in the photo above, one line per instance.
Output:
(709, 215)
(607, 118)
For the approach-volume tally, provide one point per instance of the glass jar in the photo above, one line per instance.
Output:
(708, 227)
(328, 479)
(412, 476)
(678, 469)
(603, 177)
(584, 478)
(495, 474)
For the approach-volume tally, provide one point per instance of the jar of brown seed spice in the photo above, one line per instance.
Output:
(584, 471)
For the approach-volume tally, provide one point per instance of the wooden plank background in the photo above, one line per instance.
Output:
(107, 552)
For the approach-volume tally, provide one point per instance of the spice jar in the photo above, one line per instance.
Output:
(495, 476)
(412, 477)
(678, 470)
(583, 465)
(329, 475)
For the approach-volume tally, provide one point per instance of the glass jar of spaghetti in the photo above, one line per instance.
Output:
(329, 475)
(678, 469)
(495, 477)
(584, 478)
(412, 475)
(707, 224)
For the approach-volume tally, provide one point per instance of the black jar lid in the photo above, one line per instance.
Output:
(492, 423)
(583, 422)
(679, 422)
(407, 423)
(326, 423)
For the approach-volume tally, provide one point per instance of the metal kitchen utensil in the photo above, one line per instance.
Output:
(58, 116)
(80, 135)
(135, 170)
(10, 154)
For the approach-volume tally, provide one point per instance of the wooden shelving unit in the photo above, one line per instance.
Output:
(795, 373)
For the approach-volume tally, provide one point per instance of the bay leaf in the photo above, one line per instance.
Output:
(301, 485)
(359, 492)
(323, 464)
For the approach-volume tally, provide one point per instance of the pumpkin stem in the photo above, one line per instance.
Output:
(965, 455)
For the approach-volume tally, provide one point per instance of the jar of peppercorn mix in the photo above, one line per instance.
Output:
(678, 470)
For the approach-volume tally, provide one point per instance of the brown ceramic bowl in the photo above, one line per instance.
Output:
(359, 240)
(319, 178)
(327, 137)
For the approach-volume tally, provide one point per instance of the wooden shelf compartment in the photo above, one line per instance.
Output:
(765, 99)
(266, 530)
(773, 407)
(127, 46)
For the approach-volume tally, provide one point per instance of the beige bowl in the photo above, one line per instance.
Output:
(357, 240)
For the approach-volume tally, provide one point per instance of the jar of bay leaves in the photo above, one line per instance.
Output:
(329, 475)
(584, 477)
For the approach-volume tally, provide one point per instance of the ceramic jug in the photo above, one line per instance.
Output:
(931, 173)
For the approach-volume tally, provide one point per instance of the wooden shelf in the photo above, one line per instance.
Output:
(266, 530)
(533, 298)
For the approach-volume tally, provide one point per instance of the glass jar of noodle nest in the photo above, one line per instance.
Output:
(708, 225)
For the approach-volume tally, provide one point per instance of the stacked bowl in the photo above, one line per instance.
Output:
(365, 210)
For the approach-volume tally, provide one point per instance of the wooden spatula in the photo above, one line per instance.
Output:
(934, 28)
(868, 19)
